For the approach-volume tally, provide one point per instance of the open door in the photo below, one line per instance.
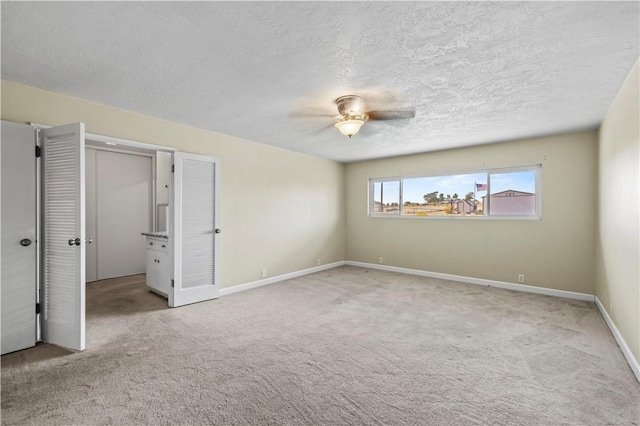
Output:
(194, 216)
(63, 239)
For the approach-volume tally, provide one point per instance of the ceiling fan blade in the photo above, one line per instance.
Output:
(392, 115)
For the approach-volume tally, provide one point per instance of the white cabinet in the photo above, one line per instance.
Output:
(158, 271)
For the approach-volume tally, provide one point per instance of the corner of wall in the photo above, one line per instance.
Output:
(617, 229)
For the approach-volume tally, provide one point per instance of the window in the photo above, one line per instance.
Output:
(386, 197)
(498, 192)
(513, 192)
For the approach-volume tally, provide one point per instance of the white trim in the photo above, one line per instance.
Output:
(117, 141)
(478, 281)
(628, 355)
(255, 284)
(453, 217)
(120, 151)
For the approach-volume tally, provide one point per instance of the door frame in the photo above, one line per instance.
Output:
(109, 148)
(109, 142)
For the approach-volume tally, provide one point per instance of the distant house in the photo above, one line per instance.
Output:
(511, 202)
(464, 206)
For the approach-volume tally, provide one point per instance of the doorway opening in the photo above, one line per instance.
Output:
(126, 195)
(54, 278)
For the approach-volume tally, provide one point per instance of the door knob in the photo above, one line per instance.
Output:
(25, 243)
(218, 230)
(74, 242)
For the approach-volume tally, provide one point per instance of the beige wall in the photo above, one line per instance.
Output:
(618, 239)
(280, 210)
(555, 252)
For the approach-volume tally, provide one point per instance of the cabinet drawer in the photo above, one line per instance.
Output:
(159, 244)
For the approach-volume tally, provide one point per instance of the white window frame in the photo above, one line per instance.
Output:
(537, 168)
(372, 183)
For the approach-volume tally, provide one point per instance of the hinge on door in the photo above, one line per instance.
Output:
(172, 284)
(173, 168)
(38, 151)
(37, 308)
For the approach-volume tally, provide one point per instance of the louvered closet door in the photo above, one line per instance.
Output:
(63, 245)
(18, 287)
(194, 238)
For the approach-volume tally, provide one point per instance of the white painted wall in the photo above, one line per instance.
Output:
(618, 231)
(118, 209)
(123, 211)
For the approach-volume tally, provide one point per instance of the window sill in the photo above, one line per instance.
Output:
(479, 218)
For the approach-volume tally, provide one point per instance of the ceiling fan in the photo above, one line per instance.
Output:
(353, 112)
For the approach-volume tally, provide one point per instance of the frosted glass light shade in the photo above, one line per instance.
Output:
(349, 127)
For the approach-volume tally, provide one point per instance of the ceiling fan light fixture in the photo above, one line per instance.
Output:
(349, 127)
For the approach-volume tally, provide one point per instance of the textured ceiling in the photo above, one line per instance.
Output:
(476, 72)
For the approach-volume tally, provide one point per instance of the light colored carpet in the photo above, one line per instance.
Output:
(344, 346)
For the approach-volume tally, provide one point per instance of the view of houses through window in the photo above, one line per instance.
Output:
(512, 191)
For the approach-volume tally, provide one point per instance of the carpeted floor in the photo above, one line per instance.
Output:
(344, 346)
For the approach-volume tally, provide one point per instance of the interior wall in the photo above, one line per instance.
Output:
(118, 190)
(618, 236)
(555, 252)
(280, 210)
(124, 204)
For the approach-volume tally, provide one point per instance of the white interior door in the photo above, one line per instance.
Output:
(18, 290)
(195, 229)
(63, 236)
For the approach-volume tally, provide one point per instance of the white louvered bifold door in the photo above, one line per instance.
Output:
(63, 239)
(195, 229)
(18, 286)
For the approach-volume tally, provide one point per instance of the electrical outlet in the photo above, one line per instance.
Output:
(611, 310)
(521, 278)
(264, 273)
(380, 260)
(319, 262)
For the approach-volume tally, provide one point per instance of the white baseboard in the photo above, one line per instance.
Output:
(628, 355)
(283, 277)
(478, 281)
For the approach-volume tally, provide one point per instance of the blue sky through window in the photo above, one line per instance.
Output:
(519, 181)
(414, 189)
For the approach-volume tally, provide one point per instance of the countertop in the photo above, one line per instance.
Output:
(156, 234)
